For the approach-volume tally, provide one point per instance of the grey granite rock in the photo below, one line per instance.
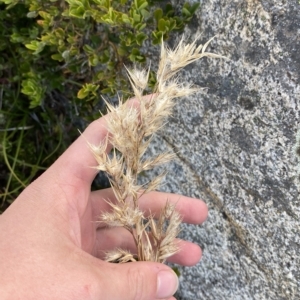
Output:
(234, 145)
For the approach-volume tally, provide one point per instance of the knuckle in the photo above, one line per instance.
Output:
(137, 282)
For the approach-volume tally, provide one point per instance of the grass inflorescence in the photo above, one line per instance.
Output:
(131, 129)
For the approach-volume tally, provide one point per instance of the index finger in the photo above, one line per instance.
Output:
(192, 211)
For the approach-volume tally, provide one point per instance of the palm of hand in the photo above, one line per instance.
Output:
(52, 233)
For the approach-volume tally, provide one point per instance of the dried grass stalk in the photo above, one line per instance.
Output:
(130, 131)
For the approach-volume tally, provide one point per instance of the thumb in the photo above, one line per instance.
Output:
(138, 281)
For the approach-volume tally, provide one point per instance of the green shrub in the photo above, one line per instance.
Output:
(58, 58)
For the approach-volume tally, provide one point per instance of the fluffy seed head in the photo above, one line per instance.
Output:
(130, 131)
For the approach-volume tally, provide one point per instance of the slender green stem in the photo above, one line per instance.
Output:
(10, 192)
(56, 148)
(23, 163)
(73, 82)
(9, 166)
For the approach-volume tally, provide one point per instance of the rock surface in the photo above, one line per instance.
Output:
(235, 144)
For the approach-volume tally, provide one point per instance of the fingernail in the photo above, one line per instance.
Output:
(167, 284)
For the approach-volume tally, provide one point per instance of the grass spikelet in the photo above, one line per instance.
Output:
(120, 256)
(130, 131)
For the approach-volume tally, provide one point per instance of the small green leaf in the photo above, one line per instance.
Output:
(136, 17)
(45, 15)
(100, 75)
(7, 1)
(111, 65)
(71, 39)
(126, 19)
(66, 54)
(192, 8)
(32, 14)
(136, 56)
(88, 49)
(162, 26)
(140, 38)
(104, 57)
(88, 89)
(35, 46)
(10, 3)
(140, 26)
(82, 93)
(57, 57)
(186, 12)
(157, 37)
(93, 60)
(107, 91)
(158, 13)
(142, 4)
(31, 46)
(59, 33)
(16, 37)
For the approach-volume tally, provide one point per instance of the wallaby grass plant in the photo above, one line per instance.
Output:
(58, 58)
(131, 129)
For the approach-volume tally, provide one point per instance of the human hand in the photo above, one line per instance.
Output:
(51, 245)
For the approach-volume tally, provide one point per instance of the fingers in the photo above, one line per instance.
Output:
(193, 211)
(137, 281)
(188, 255)
(117, 237)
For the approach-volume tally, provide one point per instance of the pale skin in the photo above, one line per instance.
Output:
(52, 244)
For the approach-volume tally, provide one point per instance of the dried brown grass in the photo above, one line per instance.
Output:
(130, 131)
